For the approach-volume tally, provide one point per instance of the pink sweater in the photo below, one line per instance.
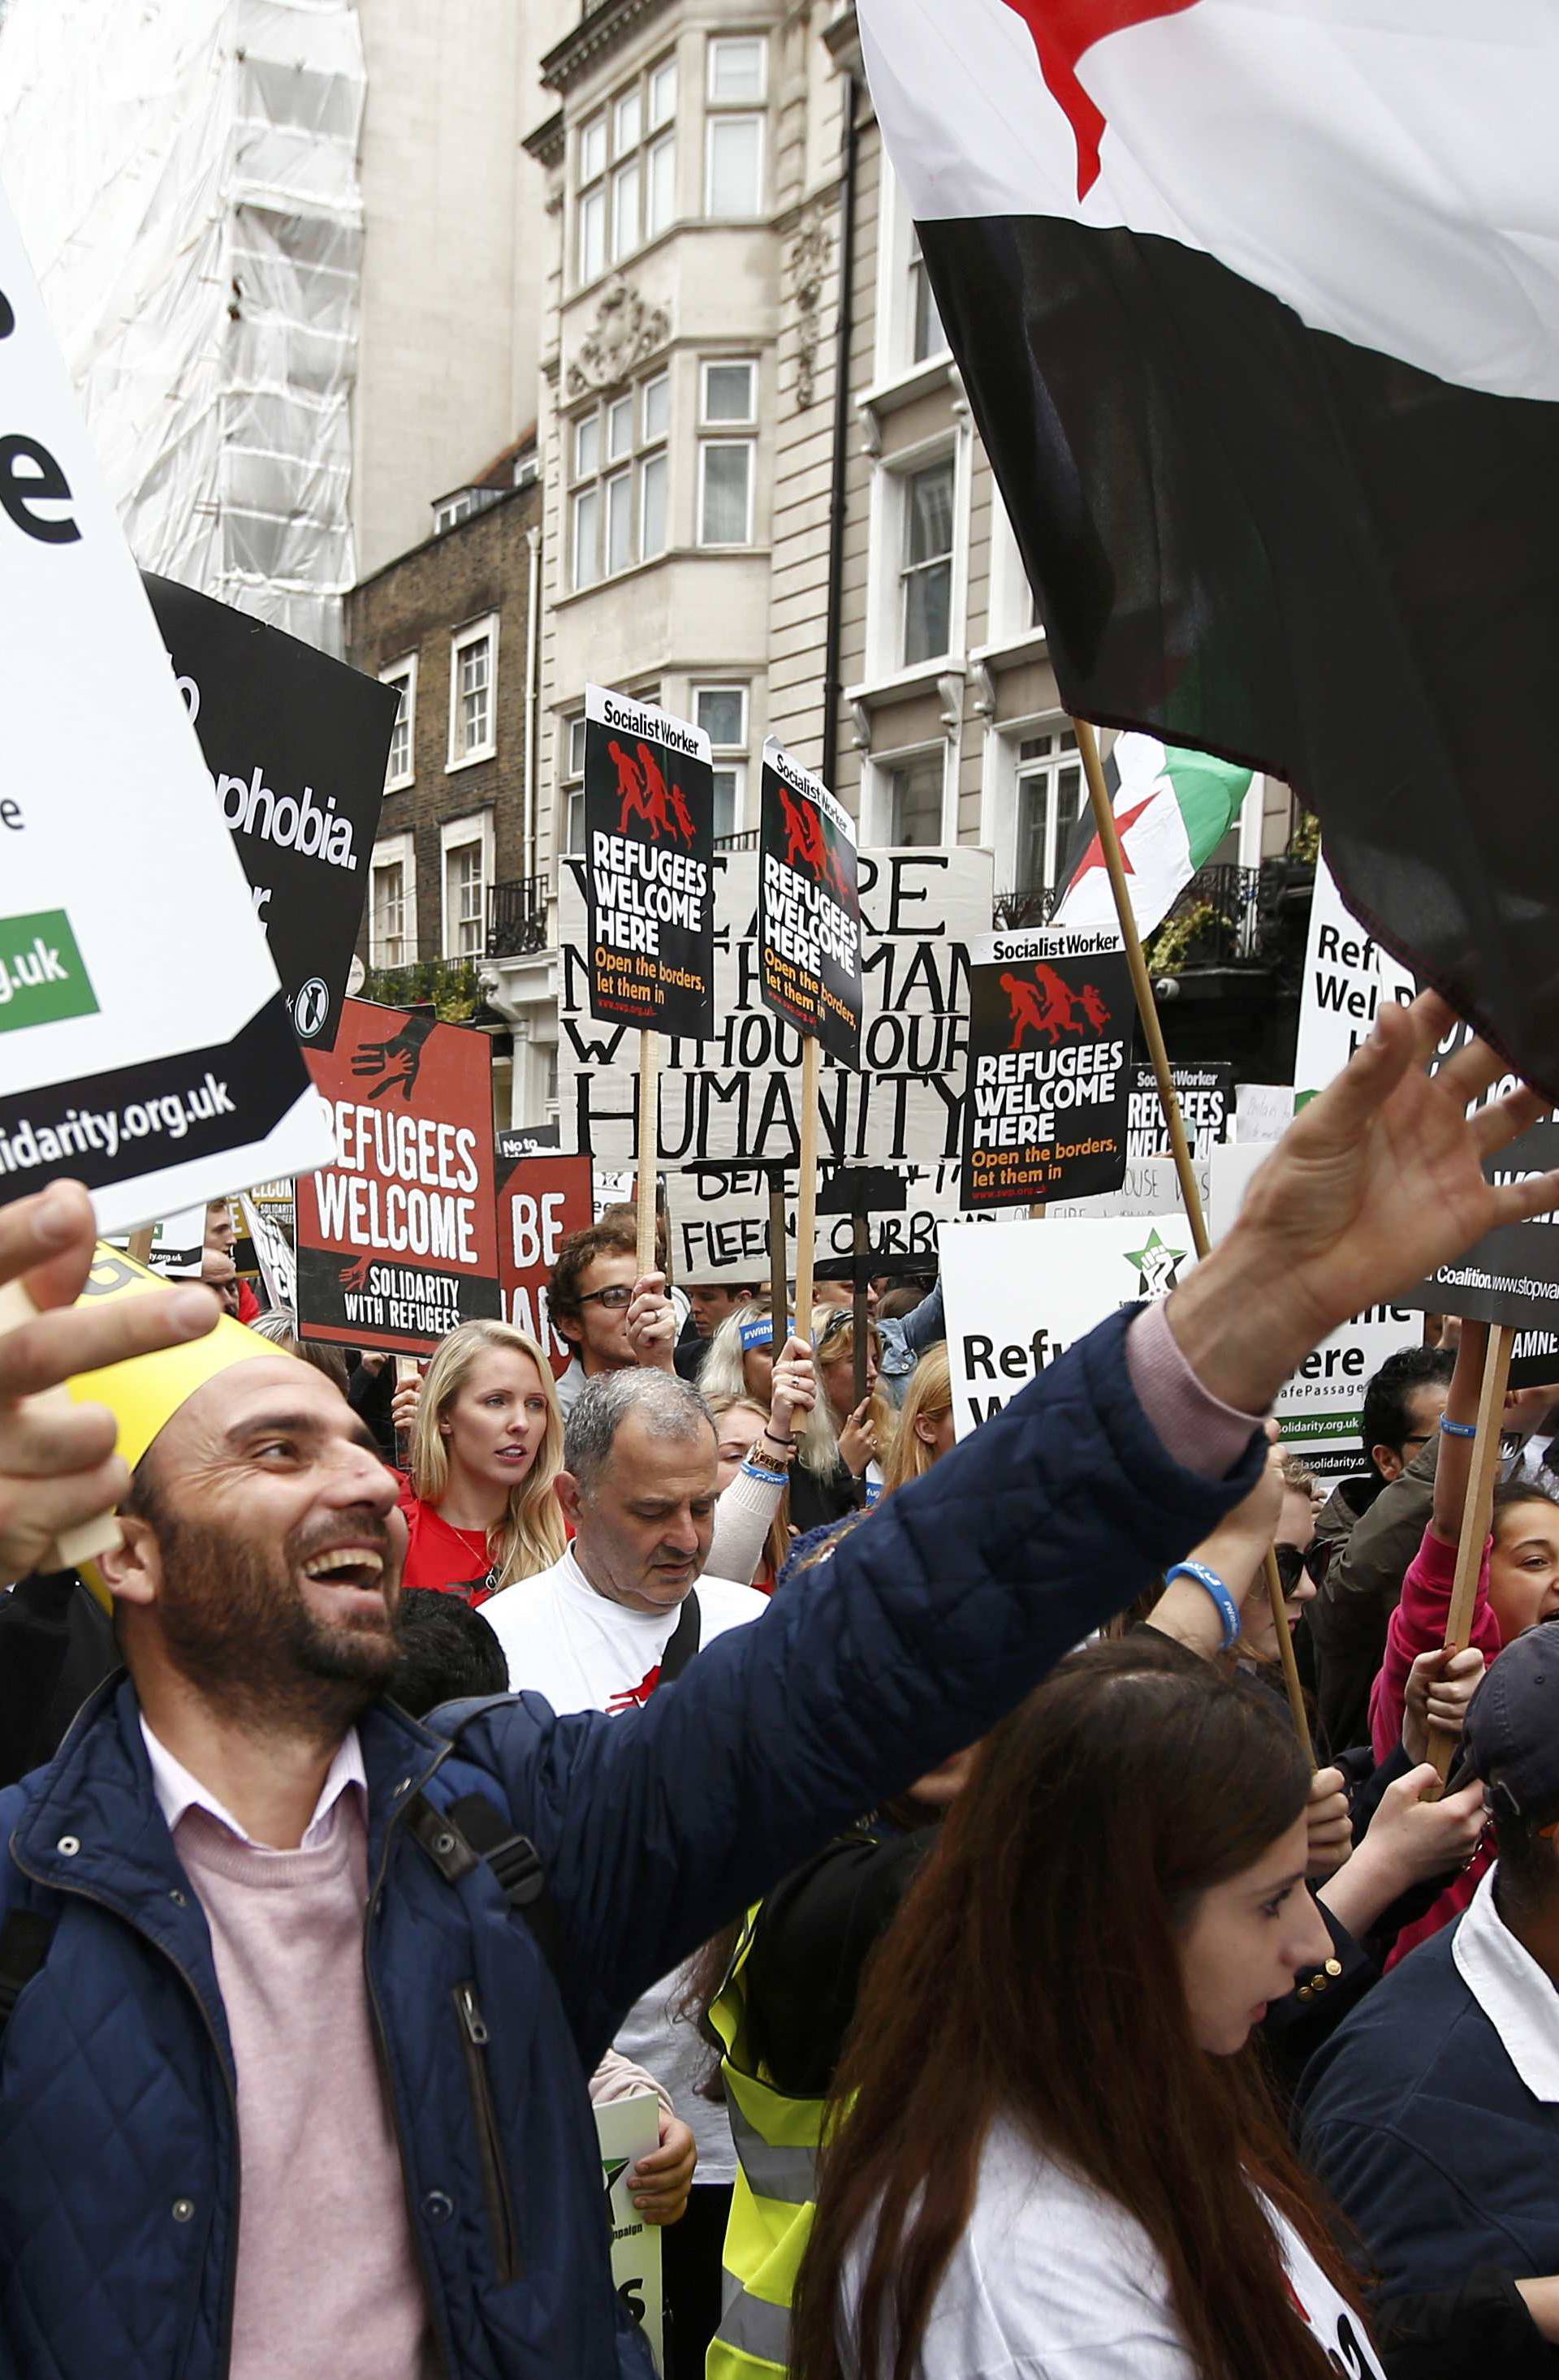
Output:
(1417, 1625)
(328, 2279)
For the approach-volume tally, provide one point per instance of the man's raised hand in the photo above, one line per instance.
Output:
(57, 1464)
(1377, 1183)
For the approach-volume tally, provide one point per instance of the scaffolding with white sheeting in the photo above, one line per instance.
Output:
(185, 174)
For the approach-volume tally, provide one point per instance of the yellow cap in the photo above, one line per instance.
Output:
(147, 1391)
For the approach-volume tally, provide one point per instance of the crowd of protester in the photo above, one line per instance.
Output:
(925, 1826)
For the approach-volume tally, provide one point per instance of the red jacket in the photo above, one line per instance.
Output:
(455, 1561)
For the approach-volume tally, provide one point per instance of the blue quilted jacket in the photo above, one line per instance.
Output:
(118, 2154)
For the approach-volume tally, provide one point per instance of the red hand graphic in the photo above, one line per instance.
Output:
(1063, 30)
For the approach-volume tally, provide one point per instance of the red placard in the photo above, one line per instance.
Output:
(540, 1201)
(398, 1242)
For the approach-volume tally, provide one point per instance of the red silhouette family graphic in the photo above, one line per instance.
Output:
(808, 845)
(642, 793)
(1045, 1004)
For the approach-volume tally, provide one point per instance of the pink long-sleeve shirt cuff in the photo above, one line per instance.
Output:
(1196, 1428)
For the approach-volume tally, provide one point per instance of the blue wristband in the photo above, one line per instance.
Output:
(1229, 1610)
(1459, 1429)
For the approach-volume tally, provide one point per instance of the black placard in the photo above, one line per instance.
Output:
(650, 868)
(1202, 1094)
(1512, 1275)
(297, 745)
(1047, 1094)
(809, 907)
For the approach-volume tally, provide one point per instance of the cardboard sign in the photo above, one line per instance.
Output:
(297, 745)
(733, 1098)
(1047, 1089)
(1346, 977)
(650, 844)
(1202, 1094)
(627, 2130)
(1320, 1411)
(397, 1240)
(540, 1201)
(1149, 1186)
(527, 1140)
(719, 1222)
(145, 1046)
(808, 906)
(1017, 1296)
(1263, 1112)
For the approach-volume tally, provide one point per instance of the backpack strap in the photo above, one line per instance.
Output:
(475, 1831)
(24, 1945)
(685, 1639)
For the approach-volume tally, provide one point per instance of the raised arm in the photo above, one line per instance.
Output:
(933, 1619)
(1454, 1469)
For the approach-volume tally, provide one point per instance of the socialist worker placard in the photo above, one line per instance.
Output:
(397, 1240)
(1048, 1091)
(650, 863)
(809, 907)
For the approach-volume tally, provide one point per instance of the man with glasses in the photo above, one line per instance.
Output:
(612, 1318)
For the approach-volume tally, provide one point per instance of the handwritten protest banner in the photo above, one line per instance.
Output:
(731, 1096)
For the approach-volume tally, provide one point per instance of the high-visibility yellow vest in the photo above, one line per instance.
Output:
(772, 2202)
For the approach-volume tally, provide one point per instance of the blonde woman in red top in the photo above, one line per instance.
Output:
(486, 1436)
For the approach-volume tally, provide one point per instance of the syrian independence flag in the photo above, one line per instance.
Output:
(1172, 810)
(1256, 303)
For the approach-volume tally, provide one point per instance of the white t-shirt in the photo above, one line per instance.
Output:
(584, 1652)
(1051, 2280)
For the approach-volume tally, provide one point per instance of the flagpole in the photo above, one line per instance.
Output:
(1475, 1513)
(1146, 1009)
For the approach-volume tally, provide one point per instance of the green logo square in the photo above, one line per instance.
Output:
(42, 975)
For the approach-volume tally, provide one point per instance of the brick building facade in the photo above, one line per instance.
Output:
(451, 623)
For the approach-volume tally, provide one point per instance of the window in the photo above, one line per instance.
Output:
(466, 848)
(926, 334)
(737, 69)
(729, 396)
(473, 689)
(392, 902)
(721, 711)
(734, 166)
(400, 768)
(618, 515)
(926, 572)
(1049, 798)
(627, 166)
(914, 799)
(571, 784)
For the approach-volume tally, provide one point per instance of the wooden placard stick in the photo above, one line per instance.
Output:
(807, 1190)
(648, 1144)
(1476, 1513)
(779, 1266)
(1153, 1031)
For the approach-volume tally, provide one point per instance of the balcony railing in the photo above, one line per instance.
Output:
(517, 917)
(744, 841)
(1227, 917)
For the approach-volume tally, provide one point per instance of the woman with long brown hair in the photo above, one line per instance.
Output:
(1050, 2155)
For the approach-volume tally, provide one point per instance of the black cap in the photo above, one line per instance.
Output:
(1512, 1739)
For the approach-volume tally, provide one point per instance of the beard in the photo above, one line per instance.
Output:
(235, 1622)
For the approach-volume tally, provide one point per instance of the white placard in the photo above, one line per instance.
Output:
(627, 2128)
(1346, 977)
(1320, 1411)
(1151, 1186)
(145, 1042)
(734, 1099)
(1017, 1294)
(274, 1252)
(1263, 1112)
